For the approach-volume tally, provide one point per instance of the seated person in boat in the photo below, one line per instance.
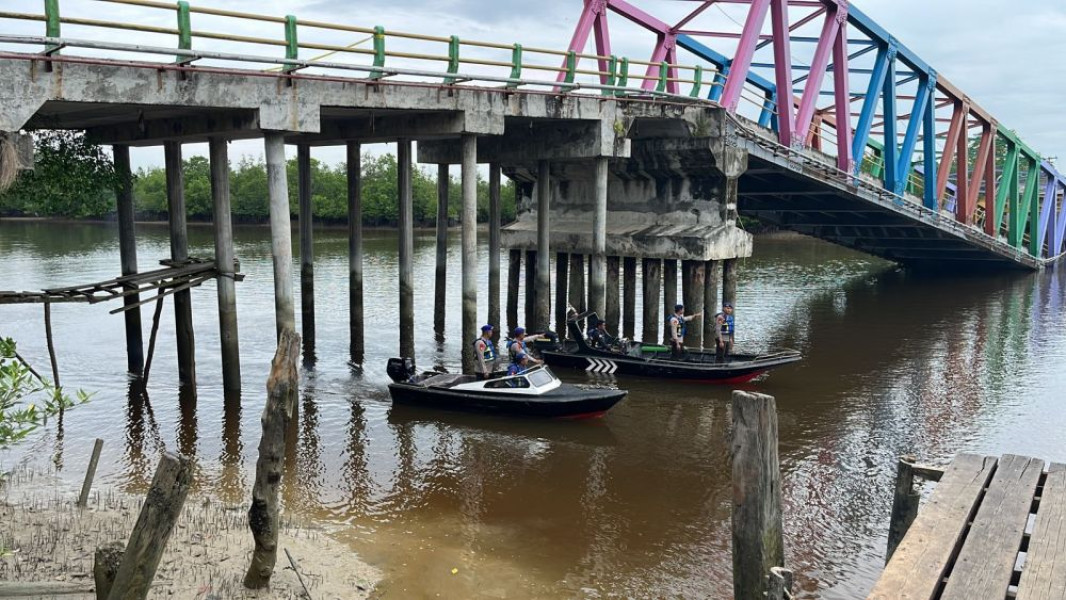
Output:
(677, 323)
(485, 352)
(517, 344)
(723, 332)
(598, 337)
(520, 364)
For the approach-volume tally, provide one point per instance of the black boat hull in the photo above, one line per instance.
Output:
(738, 369)
(566, 402)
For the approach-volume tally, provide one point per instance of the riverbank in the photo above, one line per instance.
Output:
(44, 537)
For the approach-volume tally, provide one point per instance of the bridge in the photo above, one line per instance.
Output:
(861, 143)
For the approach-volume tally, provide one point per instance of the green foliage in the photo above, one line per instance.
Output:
(26, 403)
(71, 178)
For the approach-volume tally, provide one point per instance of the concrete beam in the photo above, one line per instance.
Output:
(386, 128)
(528, 141)
(229, 124)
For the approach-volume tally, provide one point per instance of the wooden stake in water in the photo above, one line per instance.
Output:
(90, 473)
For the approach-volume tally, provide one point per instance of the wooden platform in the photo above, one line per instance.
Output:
(993, 529)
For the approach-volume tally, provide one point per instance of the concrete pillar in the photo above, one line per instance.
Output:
(597, 262)
(355, 253)
(514, 279)
(629, 296)
(542, 314)
(611, 308)
(441, 284)
(729, 281)
(669, 292)
(494, 250)
(224, 262)
(692, 275)
(179, 251)
(280, 231)
(577, 285)
(406, 248)
(710, 300)
(652, 284)
(469, 184)
(561, 264)
(127, 239)
(531, 288)
(307, 251)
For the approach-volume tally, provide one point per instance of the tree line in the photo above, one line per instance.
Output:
(75, 179)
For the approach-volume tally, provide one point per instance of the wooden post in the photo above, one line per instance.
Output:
(355, 253)
(468, 175)
(692, 284)
(440, 286)
(779, 585)
(904, 505)
(282, 392)
(514, 279)
(562, 260)
(758, 539)
(407, 249)
(48, 339)
(629, 297)
(652, 268)
(179, 251)
(127, 240)
(542, 299)
(531, 288)
(611, 305)
(225, 263)
(307, 251)
(669, 293)
(494, 249)
(106, 561)
(710, 301)
(90, 473)
(577, 285)
(280, 231)
(597, 301)
(160, 511)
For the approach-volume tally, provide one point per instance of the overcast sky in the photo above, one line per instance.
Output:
(1009, 57)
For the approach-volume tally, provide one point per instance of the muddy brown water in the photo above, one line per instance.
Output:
(636, 505)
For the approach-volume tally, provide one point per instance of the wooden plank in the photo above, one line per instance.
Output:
(986, 562)
(1044, 574)
(922, 558)
(15, 589)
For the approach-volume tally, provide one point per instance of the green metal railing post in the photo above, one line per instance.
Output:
(571, 66)
(516, 64)
(1032, 188)
(623, 76)
(612, 64)
(379, 52)
(292, 46)
(51, 24)
(453, 59)
(184, 31)
(663, 71)
(695, 93)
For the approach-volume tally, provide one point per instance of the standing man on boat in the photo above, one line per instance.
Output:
(677, 330)
(517, 345)
(485, 352)
(724, 332)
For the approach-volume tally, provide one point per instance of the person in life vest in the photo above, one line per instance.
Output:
(485, 353)
(520, 364)
(677, 323)
(598, 337)
(517, 345)
(724, 332)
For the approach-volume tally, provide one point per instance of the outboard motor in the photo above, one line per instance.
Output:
(550, 341)
(401, 369)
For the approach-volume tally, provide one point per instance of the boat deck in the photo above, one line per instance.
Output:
(993, 528)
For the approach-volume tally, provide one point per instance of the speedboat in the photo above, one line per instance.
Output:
(653, 360)
(536, 392)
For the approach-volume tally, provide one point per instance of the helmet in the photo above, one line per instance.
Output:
(727, 305)
(486, 328)
(520, 357)
(678, 307)
(519, 331)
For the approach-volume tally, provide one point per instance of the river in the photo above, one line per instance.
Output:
(636, 505)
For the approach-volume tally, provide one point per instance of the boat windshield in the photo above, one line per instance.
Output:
(540, 377)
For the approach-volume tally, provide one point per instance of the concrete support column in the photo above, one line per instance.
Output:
(531, 288)
(280, 231)
(494, 250)
(224, 262)
(542, 314)
(729, 281)
(710, 299)
(629, 296)
(307, 251)
(611, 305)
(669, 293)
(561, 263)
(179, 251)
(597, 264)
(440, 287)
(514, 279)
(407, 248)
(469, 184)
(577, 285)
(652, 284)
(127, 240)
(355, 253)
(692, 282)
